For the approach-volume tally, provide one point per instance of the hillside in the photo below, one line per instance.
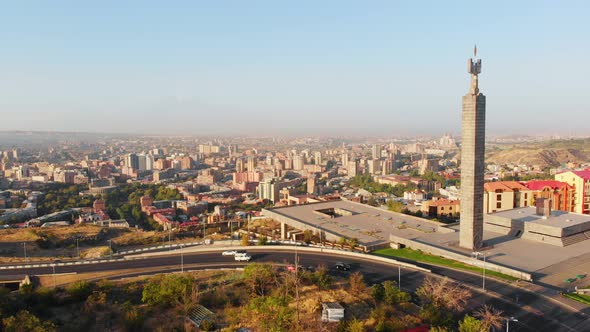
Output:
(546, 154)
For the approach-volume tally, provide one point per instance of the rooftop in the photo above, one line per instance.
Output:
(370, 225)
(558, 219)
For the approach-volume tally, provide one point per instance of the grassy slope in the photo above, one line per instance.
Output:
(418, 256)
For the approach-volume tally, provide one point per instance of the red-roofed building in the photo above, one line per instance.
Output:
(152, 210)
(580, 181)
(560, 193)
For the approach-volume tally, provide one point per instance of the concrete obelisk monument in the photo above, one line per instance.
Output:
(472, 161)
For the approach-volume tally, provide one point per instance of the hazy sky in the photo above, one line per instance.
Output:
(371, 67)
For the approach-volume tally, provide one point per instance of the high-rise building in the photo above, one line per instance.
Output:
(232, 149)
(149, 162)
(472, 161)
(298, 163)
(353, 168)
(376, 151)
(239, 165)
(141, 162)
(387, 166)
(251, 165)
(131, 160)
(317, 158)
(311, 184)
(344, 159)
(373, 166)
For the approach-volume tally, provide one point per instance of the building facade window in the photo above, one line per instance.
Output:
(498, 205)
(499, 197)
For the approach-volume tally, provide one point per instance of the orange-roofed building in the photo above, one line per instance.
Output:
(505, 195)
(441, 208)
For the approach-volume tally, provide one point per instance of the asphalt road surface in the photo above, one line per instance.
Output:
(534, 313)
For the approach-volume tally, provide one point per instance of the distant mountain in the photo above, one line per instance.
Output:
(546, 154)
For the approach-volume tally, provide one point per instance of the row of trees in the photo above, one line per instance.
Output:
(124, 202)
(365, 181)
(62, 196)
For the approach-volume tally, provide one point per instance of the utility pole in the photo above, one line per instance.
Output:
(231, 231)
(181, 259)
(249, 222)
(54, 284)
(25, 250)
(477, 254)
(399, 277)
(170, 237)
(78, 247)
(111, 247)
(297, 283)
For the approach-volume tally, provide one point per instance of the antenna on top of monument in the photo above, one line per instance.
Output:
(474, 51)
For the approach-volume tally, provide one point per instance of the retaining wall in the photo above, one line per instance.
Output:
(433, 250)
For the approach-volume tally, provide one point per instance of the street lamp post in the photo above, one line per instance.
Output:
(53, 266)
(477, 254)
(78, 247)
(399, 277)
(25, 250)
(508, 320)
(181, 259)
(231, 231)
(110, 246)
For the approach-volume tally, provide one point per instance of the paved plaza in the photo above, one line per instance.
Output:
(373, 227)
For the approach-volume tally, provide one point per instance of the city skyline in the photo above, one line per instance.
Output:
(332, 69)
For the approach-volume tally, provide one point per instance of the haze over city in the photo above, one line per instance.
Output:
(330, 166)
(307, 68)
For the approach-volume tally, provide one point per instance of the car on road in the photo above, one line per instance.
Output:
(342, 266)
(229, 253)
(292, 268)
(242, 258)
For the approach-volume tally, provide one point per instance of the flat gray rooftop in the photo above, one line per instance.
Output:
(370, 225)
(558, 219)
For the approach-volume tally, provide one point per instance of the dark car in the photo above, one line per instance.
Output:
(342, 266)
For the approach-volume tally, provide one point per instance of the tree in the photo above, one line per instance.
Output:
(342, 241)
(393, 295)
(272, 312)
(321, 278)
(353, 242)
(258, 277)
(395, 206)
(439, 317)
(80, 290)
(307, 236)
(470, 324)
(95, 301)
(442, 293)
(262, 240)
(132, 317)
(377, 292)
(355, 326)
(166, 290)
(356, 283)
(490, 317)
(24, 321)
(245, 241)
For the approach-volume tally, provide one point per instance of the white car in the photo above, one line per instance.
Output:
(229, 253)
(241, 258)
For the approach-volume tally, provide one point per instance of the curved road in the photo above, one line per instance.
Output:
(534, 312)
